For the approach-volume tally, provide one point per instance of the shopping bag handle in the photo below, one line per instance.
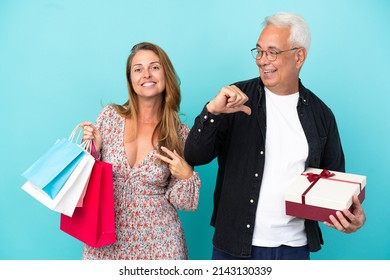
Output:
(76, 132)
(94, 152)
(87, 145)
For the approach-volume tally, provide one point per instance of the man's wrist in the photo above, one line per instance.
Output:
(210, 109)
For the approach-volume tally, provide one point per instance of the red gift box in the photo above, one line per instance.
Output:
(318, 193)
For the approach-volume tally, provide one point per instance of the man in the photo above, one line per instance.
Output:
(265, 132)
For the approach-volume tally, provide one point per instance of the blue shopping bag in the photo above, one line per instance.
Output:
(71, 194)
(51, 171)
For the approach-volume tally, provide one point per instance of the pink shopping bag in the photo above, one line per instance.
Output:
(94, 222)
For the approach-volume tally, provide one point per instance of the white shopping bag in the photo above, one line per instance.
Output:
(70, 194)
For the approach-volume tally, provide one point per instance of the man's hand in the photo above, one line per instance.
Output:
(346, 221)
(230, 99)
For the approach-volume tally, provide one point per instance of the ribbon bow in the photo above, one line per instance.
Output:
(313, 178)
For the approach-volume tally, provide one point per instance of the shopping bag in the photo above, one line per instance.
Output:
(69, 195)
(52, 169)
(94, 222)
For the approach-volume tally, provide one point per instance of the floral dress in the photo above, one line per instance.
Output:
(146, 197)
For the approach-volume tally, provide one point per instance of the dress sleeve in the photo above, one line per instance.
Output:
(103, 123)
(184, 194)
(102, 117)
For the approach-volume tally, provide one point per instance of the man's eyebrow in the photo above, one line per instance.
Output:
(270, 47)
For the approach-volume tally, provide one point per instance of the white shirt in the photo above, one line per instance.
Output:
(286, 150)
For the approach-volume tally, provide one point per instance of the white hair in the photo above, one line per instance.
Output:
(299, 30)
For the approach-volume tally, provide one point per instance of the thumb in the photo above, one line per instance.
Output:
(356, 201)
(247, 110)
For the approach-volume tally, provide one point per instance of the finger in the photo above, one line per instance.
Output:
(236, 89)
(235, 99)
(230, 99)
(242, 108)
(165, 159)
(87, 126)
(234, 104)
(177, 155)
(88, 136)
(343, 220)
(336, 223)
(88, 131)
(84, 123)
(238, 99)
(238, 92)
(350, 217)
(329, 224)
(247, 110)
(347, 218)
(168, 152)
(356, 202)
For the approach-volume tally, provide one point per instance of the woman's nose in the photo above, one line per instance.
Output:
(147, 73)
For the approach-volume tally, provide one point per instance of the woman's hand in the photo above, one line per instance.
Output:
(91, 133)
(177, 165)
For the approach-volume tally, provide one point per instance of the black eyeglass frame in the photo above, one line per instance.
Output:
(259, 53)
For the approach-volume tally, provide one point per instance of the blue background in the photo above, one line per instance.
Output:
(61, 61)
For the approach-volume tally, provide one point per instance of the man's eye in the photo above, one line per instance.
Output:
(273, 52)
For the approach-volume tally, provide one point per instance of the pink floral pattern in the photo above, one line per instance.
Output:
(146, 198)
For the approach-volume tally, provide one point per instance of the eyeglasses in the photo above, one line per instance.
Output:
(271, 55)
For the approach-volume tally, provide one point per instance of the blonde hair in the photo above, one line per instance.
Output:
(167, 130)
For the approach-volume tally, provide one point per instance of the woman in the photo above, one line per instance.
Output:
(144, 139)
